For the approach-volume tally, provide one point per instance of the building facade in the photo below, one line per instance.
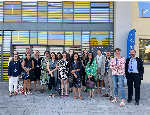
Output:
(54, 26)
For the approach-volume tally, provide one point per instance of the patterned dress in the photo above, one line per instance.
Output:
(63, 69)
(43, 76)
(91, 69)
(99, 61)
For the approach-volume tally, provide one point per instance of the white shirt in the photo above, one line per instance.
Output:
(99, 60)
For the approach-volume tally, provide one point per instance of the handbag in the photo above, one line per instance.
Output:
(90, 84)
(58, 85)
(70, 78)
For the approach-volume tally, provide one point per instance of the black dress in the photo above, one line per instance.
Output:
(28, 64)
(83, 72)
(37, 69)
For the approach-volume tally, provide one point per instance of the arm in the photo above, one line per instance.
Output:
(126, 67)
(9, 70)
(20, 68)
(141, 69)
(94, 68)
(48, 66)
(55, 68)
(82, 63)
(112, 65)
(23, 63)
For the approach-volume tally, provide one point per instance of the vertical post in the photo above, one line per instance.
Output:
(142, 12)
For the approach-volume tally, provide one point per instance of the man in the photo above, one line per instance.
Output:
(108, 76)
(14, 53)
(27, 52)
(134, 73)
(71, 59)
(117, 65)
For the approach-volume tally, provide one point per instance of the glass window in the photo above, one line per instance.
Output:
(56, 49)
(12, 11)
(111, 11)
(55, 37)
(42, 11)
(29, 11)
(81, 11)
(20, 37)
(33, 37)
(68, 11)
(85, 40)
(144, 50)
(77, 37)
(68, 38)
(75, 49)
(111, 42)
(42, 37)
(54, 11)
(1, 11)
(99, 11)
(41, 49)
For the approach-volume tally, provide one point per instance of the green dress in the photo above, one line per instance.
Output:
(51, 67)
(93, 69)
(43, 76)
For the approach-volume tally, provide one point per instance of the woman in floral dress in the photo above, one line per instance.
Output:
(43, 76)
(90, 69)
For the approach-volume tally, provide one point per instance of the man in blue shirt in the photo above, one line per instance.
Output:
(134, 73)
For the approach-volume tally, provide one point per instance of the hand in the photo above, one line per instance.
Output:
(9, 76)
(45, 69)
(50, 72)
(51, 75)
(28, 73)
(19, 75)
(28, 69)
(75, 75)
(118, 65)
(72, 71)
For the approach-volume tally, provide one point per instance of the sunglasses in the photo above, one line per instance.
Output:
(46, 53)
(89, 54)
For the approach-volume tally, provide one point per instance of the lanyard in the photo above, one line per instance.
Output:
(53, 64)
(116, 61)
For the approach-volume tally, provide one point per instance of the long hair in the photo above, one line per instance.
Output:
(91, 59)
(35, 54)
(60, 56)
(67, 56)
(83, 55)
(13, 56)
(26, 60)
(54, 54)
(73, 57)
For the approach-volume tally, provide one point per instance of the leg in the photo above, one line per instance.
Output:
(137, 82)
(28, 80)
(97, 86)
(35, 85)
(25, 85)
(39, 85)
(66, 86)
(11, 84)
(106, 84)
(101, 84)
(110, 83)
(15, 85)
(75, 96)
(62, 86)
(121, 83)
(130, 88)
(90, 94)
(93, 93)
(114, 78)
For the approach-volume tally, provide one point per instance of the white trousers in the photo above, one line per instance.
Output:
(13, 81)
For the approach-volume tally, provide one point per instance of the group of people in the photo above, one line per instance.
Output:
(63, 68)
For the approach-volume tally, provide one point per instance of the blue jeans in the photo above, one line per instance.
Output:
(70, 85)
(120, 79)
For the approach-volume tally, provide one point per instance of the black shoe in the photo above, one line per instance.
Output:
(129, 101)
(29, 89)
(42, 90)
(85, 91)
(136, 103)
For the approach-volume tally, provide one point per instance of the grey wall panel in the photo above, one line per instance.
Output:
(56, 26)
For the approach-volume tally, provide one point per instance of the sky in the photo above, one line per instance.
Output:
(146, 6)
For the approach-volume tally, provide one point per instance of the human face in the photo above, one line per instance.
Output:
(90, 55)
(85, 53)
(98, 52)
(64, 55)
(70, 52)
(117, 53)
(46, 54)
(132, 53)
(28, 56)
(52, 56)
(27, 50)
(37, 53)
(15, 57)
(15, 52)
(75, 57)
(108, 54)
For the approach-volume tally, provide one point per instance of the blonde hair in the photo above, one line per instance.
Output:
(35, 54)
(83, 55)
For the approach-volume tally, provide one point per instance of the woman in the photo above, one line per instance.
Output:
(37, 69)
(63, 66)
(90, 70)
(83, 60)
(14, 71)
(100, 60)
(52, 69)
(44, 69)
(59, 56)
(28, 66)
(75, 68)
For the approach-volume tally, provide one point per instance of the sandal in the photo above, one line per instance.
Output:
(10, 94)
(25, 93)
(53, 95)
(81, 98)
(97, 92)
(114, 101)
(66, 95)
(89, 96)
(29, 93)
(101, 92)
(15, 93)
(50, 95)
(70, 91)
(34, 90)
(75, 97)
(93, 97)
(121, 104)
(61, 96)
